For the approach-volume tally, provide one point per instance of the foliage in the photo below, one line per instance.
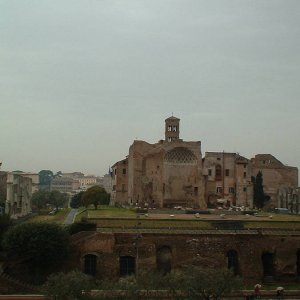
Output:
(5, 223)
(68, 286)
(58, 199)
(95, 195)
(42, 198)
(40, 247)
(259, 197)
(81, 226)
(190, 282)
(45, 178)
(76, 200)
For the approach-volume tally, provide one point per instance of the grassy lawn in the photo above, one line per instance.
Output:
(57, 218)
(111, 212)
(112, 217)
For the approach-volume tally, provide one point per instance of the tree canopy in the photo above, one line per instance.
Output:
(76, 200)
(259, 196)
(42, 198)
(40, 247)
(95, 195)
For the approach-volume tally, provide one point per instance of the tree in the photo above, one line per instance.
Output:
(68, 286)
(45, 177)
(37, 247)
(95, 195)
(189, 282)
(76, 200)
(259, 197)
(5, 224)
(58, 199)
(40, 198)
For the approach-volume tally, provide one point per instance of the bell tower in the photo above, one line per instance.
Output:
(172, 129)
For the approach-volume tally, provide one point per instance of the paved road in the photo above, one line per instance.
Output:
(71, 216)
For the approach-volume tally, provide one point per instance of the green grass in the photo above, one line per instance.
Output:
(112, 217)
(59, 217)
(111, 212)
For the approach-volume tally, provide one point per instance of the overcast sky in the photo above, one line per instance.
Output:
(81, 79)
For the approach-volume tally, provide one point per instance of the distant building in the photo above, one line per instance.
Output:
(20, 187)
(228, 179)
(172, 173)
(64, 184)
(119, 193)
(276, 175)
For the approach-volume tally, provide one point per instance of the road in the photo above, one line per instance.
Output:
(71, 216)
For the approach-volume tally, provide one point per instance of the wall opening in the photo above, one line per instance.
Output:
(127, 265)
(298, 263)
(90, 264)
(233, 261)
(268, 264)
(163, 259)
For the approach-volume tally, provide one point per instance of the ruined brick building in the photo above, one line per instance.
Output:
(173, 172)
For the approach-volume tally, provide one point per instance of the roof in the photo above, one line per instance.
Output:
(172, 118)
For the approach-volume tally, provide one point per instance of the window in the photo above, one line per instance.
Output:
(209, 172)
(163, 259)
(174, 128)
(123, 188)
(245, 174)
(169, 139)
(227, 172)
(90, 263)
(268, 264)
(245, 189)
(195, 191)
(219, 189)
(245, 165)
(231, 190)
(218, 172)
(169, 128)
(124, 171)
(233, 261)
(127, 265)
(115, 171)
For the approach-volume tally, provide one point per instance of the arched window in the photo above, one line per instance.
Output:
(90, 264)
(233, 261)
(268, 264)
(163, 259)
(127, 265)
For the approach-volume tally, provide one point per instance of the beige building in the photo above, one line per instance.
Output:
(276, 175)
(172, 173)
(228, 179)
(119, 193)
(20, 187)
(64, 184)
(165, 174)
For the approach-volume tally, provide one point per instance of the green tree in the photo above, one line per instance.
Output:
(58, 199)
(45, 178)
(68, 286)
(76, 200)
(5, 224)
(95, 195)
(40, 199)
(38, 248)
(259, 197)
